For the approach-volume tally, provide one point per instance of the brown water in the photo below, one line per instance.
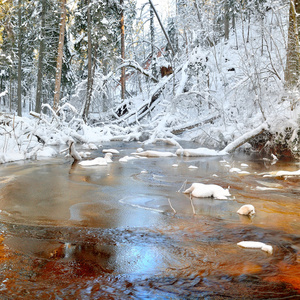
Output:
(115, 232)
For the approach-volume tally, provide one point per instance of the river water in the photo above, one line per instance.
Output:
(126, 231)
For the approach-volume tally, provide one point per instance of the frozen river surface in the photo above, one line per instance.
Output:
(123, 231)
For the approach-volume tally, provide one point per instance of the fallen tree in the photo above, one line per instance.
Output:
(139, 113)
(231, 147)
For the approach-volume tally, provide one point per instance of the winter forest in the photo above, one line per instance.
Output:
(219, 73)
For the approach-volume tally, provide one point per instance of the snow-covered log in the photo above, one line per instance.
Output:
(199, 152)
(153, 153)
(187, 126)
(229, 148)
(147, 107)
(245, 138)
(168, 141)
(73, 152)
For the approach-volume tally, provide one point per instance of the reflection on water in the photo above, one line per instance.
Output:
(116, 232)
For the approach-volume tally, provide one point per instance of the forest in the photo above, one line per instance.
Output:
(211, 72)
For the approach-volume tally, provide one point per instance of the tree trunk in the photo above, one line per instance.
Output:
(245, 138)
(89, 79)
(292, 70)
(162, 27)
(40, 62)
(226, 20)
(152, 37)
(20, 58)
(59, 55)
(122, 26)
(198, 12)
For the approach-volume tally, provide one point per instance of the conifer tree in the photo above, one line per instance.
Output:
(19, 58)
(60, 55)
(292, 70)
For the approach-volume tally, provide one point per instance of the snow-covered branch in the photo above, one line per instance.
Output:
(135, 65)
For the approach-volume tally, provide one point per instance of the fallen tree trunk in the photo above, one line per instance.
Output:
(144, 109)
(245, 138)
(178, 130)
(229, 148)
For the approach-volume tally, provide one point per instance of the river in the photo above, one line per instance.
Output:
(126, 230)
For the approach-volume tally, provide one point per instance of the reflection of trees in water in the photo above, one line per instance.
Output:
(93, 255)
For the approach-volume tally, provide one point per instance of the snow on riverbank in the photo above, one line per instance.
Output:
(233, 97)
(35, 136)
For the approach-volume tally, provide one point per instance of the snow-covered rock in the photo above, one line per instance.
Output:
(126, 158)
(201, 190)
(193, 167)
(246, 210)
(153, 153)
(98, 161)
(84, 154)
(256, 245)
(244, 165)
(90, 146)
(113, 151)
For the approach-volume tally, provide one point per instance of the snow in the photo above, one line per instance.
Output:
(233, 145)
(244, 172)
(256, 245)
(90, 146)
(199, 152)
(46, 152)
(113, 151)
(72, 151)
(200, 190)
(264, 188)
(283, 173)
(2, 94)
(246, 210)
(153, 153)
(210, 105)
(98, 161)
(127, 158)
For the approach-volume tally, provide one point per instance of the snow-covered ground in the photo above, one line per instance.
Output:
(239, 92)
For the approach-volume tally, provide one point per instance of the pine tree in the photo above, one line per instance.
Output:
(59, 60)
(19, 58)
(292, 70)
(40, 59)
(122, 30)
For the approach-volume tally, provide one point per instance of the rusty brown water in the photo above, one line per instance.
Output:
(117, 232)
